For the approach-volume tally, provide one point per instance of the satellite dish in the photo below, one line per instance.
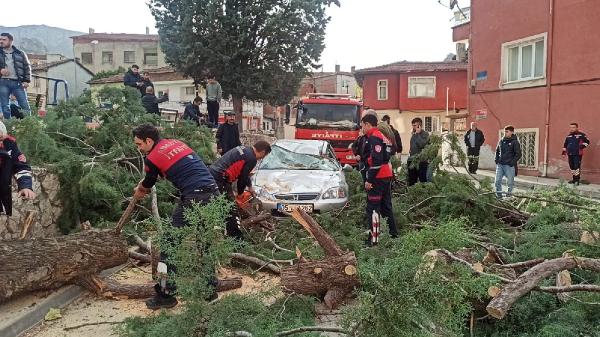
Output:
(453, 3)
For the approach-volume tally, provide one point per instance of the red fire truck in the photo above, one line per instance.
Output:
(331, 117)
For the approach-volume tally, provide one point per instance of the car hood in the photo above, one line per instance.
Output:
(298, 181)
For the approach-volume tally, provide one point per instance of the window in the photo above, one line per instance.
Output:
(129, 57)
(382, 90)
(107, 57)
(190, 91)
(421, 87)
(150, 56)
(431, 123)
(86, 58)
(36, 82)
(524, 61)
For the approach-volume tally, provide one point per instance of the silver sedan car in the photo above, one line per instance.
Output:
(301, 174)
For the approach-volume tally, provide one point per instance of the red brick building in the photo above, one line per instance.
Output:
(405, 90)
(534, 64)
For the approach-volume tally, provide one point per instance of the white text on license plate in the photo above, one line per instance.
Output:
(290, 207)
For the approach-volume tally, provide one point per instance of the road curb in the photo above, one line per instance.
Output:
(59, 299)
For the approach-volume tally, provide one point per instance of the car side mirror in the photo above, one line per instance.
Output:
(347, 168)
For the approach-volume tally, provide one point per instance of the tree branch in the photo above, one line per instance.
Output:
(567, 289)
(256, 261)
(311, 329)
(591, 209)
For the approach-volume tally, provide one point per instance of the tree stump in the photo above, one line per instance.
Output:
(29, 265)
(332, 278)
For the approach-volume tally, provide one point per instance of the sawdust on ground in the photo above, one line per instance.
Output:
(90, 309)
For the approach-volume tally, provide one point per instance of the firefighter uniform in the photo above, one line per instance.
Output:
(177, 162)
(234, 165)
(574, 145)
(379, 173)
(12, 163)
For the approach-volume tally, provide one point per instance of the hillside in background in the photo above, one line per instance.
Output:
(42, 39)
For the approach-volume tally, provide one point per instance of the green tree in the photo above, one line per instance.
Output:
(259, 50)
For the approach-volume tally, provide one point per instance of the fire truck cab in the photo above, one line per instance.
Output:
(331, 117)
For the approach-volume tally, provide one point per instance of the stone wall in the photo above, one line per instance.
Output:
(45, 209)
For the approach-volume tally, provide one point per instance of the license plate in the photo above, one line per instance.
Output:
(289, 208)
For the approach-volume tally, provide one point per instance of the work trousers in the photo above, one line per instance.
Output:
(379, 199)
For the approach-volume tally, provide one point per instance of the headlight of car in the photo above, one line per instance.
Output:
(334, 193)
(263, 194)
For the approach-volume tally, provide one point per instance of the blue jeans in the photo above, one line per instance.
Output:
(8, 87)
(501, 172)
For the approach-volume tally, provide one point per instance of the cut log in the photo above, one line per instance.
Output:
(326, 242)
(140, 257)
(29, 265)
(530, 280)
(333, 277)
(253, 220)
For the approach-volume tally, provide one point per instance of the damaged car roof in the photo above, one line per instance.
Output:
(310, 147)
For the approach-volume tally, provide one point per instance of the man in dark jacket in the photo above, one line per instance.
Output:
(378, 182)
(132, 78)
(192, 110)
(474, 139)
(358, 149)
(228, 135)
(15, 75)
(12, 163)
(508, 154)
(146, 82)
(418, 141)
(236, 165)
(178, 163)
(397, 140)
(150, 101)
(574, 145)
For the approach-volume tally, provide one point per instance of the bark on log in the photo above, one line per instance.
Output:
(140, 257)
(326, 242)
(29, 265)
(530, 280)
(255, 219)
(328, 277)
(333, 277)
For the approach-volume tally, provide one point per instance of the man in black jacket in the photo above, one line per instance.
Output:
(146, 82)
(12, 163)
(508, 154)
(397, 140)
(150, 101)
(474, 139)
(15, 75)
(236, 165)
(418, 142)
(574, 145)
(132, 78)
(228, 135)
(192, 110)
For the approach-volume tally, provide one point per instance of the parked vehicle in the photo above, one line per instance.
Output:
(301, 174)
(331, 117)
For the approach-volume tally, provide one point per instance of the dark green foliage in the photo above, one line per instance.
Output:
(99, 168)
(259, 50)
(195, 250)
(108, 73)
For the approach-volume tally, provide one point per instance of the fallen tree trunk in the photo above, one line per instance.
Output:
(29, 265)
(333, 277)
(530, 280)
(113, 289)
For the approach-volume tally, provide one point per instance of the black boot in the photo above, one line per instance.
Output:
(161, 300)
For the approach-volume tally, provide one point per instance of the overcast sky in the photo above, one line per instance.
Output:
(362, 33)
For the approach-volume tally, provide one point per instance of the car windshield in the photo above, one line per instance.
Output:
(283, 159)
(328, 115)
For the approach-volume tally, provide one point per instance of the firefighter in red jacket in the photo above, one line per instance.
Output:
(574, 145)
(236, 165)
(378, 179)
